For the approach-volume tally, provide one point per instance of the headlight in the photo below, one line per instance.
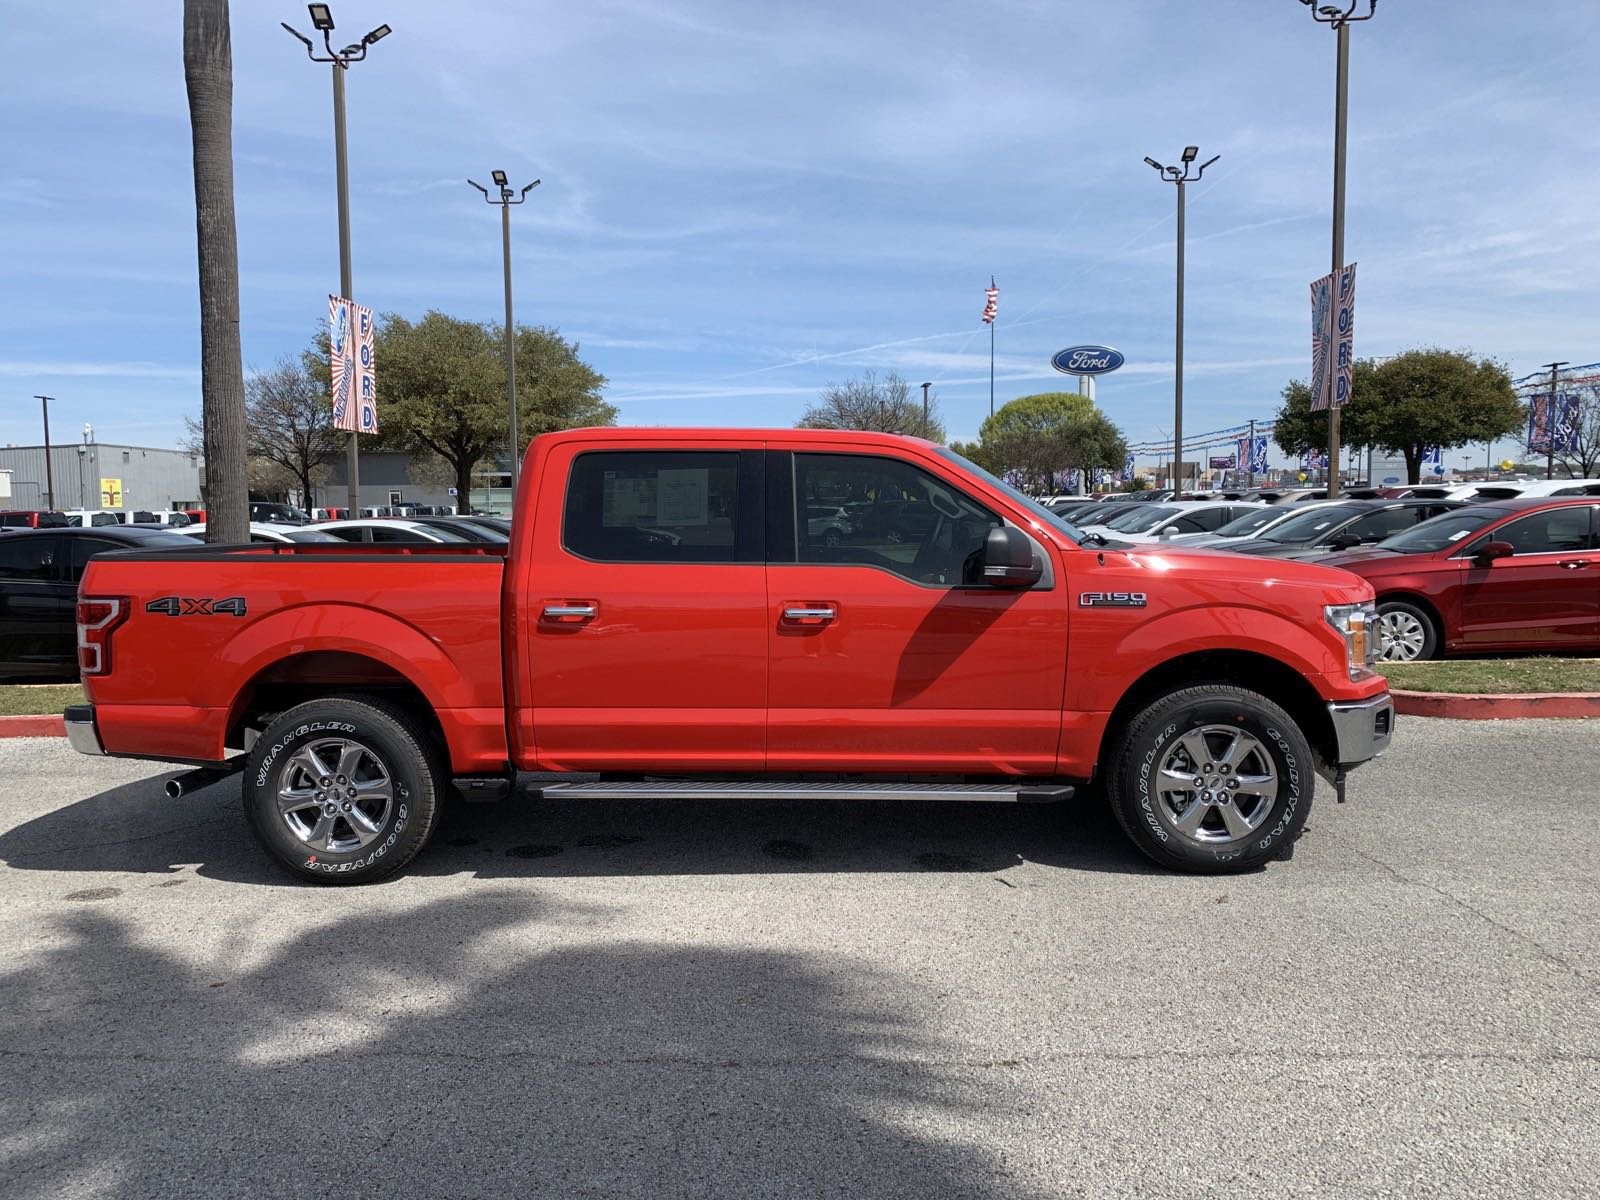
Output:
(1358, 625)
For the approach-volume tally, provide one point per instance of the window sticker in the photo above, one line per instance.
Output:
(682, 496)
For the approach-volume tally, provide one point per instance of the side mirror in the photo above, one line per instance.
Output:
(1008, 560)
(1171, 531)
(1493, 551)
(1343, 542)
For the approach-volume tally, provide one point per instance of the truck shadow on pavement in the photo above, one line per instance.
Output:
(489, 1045)
(135, 828)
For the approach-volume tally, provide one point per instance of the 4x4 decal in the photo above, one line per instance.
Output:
(191, 606)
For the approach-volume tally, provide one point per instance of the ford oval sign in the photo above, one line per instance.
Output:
(1087, 360)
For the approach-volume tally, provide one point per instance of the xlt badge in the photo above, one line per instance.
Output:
(1113, 599)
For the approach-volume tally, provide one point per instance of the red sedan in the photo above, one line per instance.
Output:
(1502, 575)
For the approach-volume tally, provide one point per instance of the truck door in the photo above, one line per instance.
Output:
(37, 602)
(642, 614)
(887, 652)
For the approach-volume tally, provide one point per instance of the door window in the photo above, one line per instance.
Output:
(653, 506)
(85, 548)
(30, 559)
(860, 510)
(1554, 531)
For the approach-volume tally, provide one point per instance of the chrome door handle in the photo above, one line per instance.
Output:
(810, 614)
(557, 612)
(1572, 564)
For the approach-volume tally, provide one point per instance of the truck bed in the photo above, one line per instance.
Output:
(208, 633)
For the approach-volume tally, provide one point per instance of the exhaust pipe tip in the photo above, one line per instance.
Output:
(174, 789)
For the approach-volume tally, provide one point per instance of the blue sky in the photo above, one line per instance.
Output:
(742, 201)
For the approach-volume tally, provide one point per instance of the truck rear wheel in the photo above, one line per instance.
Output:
(1211, 779)
(343, 790)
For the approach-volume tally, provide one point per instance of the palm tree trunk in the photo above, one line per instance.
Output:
(208, 73)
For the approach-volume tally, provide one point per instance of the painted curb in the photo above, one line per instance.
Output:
(1462, 706)
(50, 725)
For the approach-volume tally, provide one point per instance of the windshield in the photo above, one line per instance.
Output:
(1039, 511)
(1442, 531)
(1308, 526)
(309, 535)
(1249, 523)
(1146, 516)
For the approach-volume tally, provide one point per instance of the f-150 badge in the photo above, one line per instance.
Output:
(1112, 599)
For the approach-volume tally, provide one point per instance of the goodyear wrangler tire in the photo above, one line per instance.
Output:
(1212, 779)
(343, 790)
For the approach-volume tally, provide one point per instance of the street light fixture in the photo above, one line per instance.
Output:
(1188, 174)
(322, 22)
(1339, 19)
(508, 197)
(925, 388)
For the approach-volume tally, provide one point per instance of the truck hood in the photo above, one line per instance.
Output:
(1219, 572)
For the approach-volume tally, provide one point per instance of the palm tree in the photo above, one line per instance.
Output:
(208, 74)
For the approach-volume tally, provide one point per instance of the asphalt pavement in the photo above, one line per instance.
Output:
(811, 1000)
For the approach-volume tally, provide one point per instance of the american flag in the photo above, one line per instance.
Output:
(991, 304)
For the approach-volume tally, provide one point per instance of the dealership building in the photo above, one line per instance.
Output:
(90, 474)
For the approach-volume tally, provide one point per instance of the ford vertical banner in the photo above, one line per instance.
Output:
(355, 390)
(1333, 325)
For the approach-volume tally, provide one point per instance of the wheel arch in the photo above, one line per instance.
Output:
(1272, 678)
(1428, 606)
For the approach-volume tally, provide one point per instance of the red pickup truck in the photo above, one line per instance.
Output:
(738, 613)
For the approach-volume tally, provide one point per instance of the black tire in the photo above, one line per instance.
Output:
(1256, 810)
(1395, 615)
(377, 817)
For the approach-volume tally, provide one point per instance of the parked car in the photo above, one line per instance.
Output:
(1155, 522)
(389, 529)
(1253, 523)
(994, 654)
(32, 518)
(272, 513)
(39, 574)
(829, 523)
(1326, 528)
(1537, 487)
(1503, 575)
(472, 530)
(278, 534)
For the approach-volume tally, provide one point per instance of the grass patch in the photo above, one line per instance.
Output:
(34, 699)
(1496, 675)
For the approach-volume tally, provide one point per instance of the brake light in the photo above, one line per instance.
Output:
(98, 616)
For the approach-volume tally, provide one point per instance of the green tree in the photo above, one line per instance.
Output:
(1040, 435)
(885, 405)
(1408, 403)
(442, 388)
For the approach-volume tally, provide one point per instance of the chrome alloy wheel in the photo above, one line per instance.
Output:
(1216, 784)
(335, 795)
(1400, 636)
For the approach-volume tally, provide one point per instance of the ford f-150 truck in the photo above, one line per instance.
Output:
(739, 614)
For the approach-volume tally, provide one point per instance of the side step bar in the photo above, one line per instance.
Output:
(687, 789)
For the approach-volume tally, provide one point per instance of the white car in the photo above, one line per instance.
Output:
(1161, 522)
(389, 530)
(265, 531)
(1512, 489)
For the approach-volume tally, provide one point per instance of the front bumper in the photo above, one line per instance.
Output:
(81, 731)
(1362, 728)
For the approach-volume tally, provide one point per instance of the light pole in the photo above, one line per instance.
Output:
(506, 200)
(1549, 421)
(49, 475)
(322, 22)
(1340, 19)
(1180, 177)
(925, 388)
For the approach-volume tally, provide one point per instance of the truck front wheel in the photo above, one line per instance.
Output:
(342, 790)
(1211, 779)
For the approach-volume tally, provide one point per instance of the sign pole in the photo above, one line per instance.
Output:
(346, 285)
(1550, 422)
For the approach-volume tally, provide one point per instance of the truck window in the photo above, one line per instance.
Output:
(653, 506)
(864, 510)
(28, 558)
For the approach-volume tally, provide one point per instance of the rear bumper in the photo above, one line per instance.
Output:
(1362, 728)
(81, 731)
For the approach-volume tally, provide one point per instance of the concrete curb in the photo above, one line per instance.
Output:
(1508, 706)
(49, 725)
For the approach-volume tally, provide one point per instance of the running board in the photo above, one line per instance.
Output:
(687, 789)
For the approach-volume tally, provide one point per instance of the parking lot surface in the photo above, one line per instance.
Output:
(790, 1000)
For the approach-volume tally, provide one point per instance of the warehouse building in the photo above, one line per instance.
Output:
(92, 474)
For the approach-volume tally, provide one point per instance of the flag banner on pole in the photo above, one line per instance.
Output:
(1127, 469)
(1224, 462)
(991, 303)
(350, 342)
(1315, 460)
(1333, 324)
(1564, 426)
(1258, 455)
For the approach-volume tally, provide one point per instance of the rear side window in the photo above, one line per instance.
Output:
(85, 548)
(30, 559)
(653, 506)
(1555, 531)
